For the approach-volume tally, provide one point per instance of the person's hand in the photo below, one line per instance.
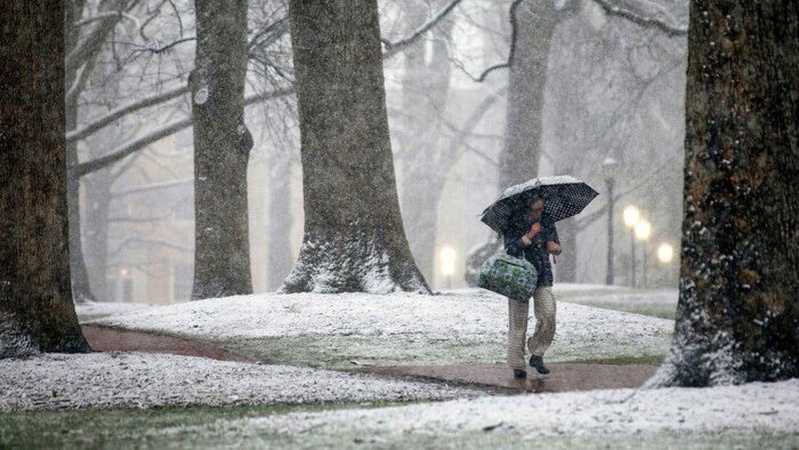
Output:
(553, 247)
(535, 229)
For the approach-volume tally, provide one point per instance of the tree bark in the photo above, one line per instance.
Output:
(354, 239)
(222, 146)
(738, 310)
(527, 78)
(36, 308)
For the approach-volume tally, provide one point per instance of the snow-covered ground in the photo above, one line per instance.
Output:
(337, 331)
(453, 320)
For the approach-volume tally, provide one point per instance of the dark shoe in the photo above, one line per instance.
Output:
(537, 363)
(519, 373)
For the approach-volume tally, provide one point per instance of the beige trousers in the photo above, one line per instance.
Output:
(544, 309)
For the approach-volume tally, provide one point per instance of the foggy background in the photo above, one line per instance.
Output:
(614, 90)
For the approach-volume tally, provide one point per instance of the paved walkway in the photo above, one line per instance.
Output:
(106, 339)
(563, 377)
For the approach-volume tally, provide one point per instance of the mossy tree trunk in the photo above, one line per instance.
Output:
(222, 146)
(37, 312)
(354, 240)
(738, 310)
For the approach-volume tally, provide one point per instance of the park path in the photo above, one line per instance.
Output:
(564, 377)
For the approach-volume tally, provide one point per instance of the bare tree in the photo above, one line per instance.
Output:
(534, 26)
(354, 239)
(36, 308)
(222, 146)
(738, 315)
(84, 41)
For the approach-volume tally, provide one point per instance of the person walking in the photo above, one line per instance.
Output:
(532, 236)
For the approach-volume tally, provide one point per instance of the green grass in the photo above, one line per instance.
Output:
(189, 427)
(205, 427)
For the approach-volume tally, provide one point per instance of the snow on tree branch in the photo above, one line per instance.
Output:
(642, 19)
(393, 47)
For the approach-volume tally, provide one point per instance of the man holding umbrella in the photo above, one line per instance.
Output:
(525, 215)
(532, 236)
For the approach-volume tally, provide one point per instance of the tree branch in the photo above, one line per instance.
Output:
(122, 152)
(91, 128)
(106, 15)
(392, 48)
(123, 110)
(166, 47)
(158, 242)
(514, 25)
(609, 9)
(92, 41)
(639, 19)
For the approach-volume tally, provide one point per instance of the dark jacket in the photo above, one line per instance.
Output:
(536, 252)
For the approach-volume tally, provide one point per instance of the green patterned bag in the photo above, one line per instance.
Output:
(510, 276)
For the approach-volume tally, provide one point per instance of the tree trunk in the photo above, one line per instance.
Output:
(98, 203)
(222, 146)
(36, 308)
(81, 287)
(354, 240)
(738, 310)
(279, 257)
(521, 154)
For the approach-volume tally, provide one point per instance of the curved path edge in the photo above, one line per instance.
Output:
(105, 339)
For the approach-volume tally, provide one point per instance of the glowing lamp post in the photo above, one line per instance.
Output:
(447, 257)
(665, 253)
(631, 217)
(643, 229)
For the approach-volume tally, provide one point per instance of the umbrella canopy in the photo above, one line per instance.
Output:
(565, 196)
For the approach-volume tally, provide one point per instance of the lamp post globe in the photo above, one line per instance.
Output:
(665, 253)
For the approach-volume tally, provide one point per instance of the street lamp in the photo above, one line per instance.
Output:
(643, 229)
(609, 172)
(631, 217)
(447, 257)
(665, 253)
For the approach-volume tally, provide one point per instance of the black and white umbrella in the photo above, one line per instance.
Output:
(565, 196)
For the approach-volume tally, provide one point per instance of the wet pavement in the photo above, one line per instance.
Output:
(563, 377)
(106, 339)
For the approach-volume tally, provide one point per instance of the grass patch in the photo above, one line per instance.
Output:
(652, 310)
(353, 352)
(205, 427)
(171, 427)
